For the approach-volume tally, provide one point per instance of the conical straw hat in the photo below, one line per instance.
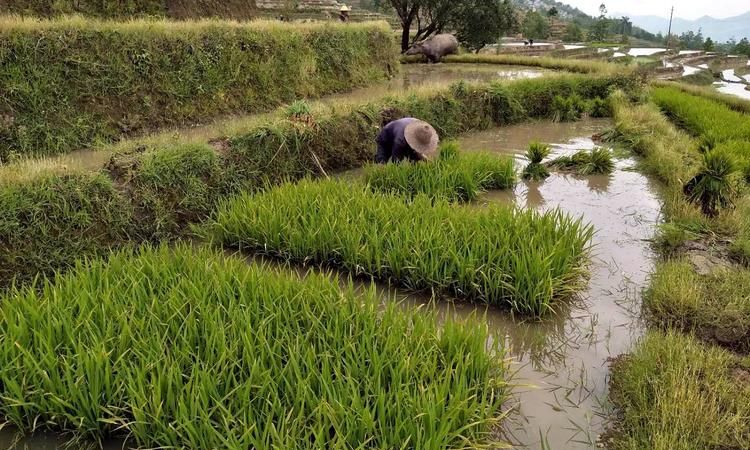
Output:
(422, 137)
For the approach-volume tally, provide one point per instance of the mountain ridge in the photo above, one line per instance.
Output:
(720, 30)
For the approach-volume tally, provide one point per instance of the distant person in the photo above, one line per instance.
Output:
(344, 13)
(531, 42)
(406, 139)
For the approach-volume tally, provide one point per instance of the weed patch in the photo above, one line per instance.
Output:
(716, 306)
(676, 393)
(52, 222)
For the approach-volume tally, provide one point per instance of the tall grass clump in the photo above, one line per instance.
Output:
(60, 95)
(519, 259)
(715, 306)
(536, 153)
(713, 186)
(187, 348)
(163, 183)
(50, 222)
(454, 176)
(598, 160)
(599, 107)
(668, 153)
(568, 109)
(676, 393)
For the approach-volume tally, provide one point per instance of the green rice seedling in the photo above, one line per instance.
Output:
(535, 170)
(567, 109)
(731, 101)
(740, 151)
(715, 306)
(599, 107)
(676, 393)
(703, 116)
(187, 348)
(502, 256)
(586, 162)
(713, 187)
(298, 109)
(454, 177)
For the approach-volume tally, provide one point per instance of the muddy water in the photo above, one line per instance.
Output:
(736, 89)
(563, 361)
(416, 75)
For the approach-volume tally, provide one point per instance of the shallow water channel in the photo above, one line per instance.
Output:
(562, 362)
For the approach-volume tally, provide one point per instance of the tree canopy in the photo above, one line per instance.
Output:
(480, 22)
(535, 26)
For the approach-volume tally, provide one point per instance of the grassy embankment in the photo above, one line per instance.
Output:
(60, 95)
(680, 391)
(516, 259)
(187, 348)
(179, 9)
(154, 189)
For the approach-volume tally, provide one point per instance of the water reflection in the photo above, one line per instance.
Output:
(565, 377)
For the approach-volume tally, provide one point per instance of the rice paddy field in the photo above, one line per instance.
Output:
(571, 271)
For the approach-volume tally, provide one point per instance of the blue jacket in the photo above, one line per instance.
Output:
(392, 145)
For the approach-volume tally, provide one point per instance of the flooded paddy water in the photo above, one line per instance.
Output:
(563, 361)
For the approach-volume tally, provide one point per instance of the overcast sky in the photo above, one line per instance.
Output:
(686, 9)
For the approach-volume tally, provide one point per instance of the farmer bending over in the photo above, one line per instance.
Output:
(408, 138)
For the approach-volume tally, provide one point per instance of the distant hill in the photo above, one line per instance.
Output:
(717, 29)
(565, 11)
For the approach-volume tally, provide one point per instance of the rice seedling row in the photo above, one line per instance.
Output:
(186, 348)
(523, 260)
(456, 177)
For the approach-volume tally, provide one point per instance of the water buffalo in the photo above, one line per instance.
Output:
(435, 47)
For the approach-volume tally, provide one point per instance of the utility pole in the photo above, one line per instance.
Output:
(669, 33)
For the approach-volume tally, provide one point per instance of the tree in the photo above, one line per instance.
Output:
(553, 12)
(626, 26)
(480, 22)
(573, 33)
(535, 26)
(429, 16)
(708, 45)
(742, 47)
(599, 30)
(691, 40)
